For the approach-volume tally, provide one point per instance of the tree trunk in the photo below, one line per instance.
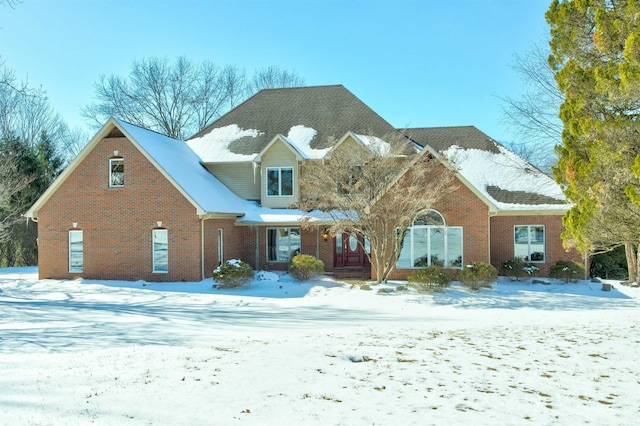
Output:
(632, 261)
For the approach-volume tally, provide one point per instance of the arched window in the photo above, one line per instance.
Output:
(429, 241)
(429, 218)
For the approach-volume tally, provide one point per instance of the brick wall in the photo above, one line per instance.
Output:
(232, 247)
(502, 240)
(463, 208)
(117, 222)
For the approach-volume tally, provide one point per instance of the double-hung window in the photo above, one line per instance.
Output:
(282, 244)
(528, 242)
(76, 251)
(116, 172)
(279, 181)
(160, 247)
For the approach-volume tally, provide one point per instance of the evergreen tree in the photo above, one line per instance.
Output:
(595, 54)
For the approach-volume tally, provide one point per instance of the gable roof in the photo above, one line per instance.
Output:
(312, 119)
(506, 181)
(174, 159)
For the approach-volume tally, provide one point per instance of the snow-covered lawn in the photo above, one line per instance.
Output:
(319, 353)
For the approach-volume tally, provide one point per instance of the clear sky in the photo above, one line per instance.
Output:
(417, 63)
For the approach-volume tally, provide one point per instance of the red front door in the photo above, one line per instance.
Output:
(349, 251)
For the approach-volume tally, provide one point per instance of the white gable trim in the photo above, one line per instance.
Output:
(112, 123)
(300, 156)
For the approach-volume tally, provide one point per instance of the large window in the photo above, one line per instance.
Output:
(76, 251)
(429, 242)
(529, 242)
(282, 244)
(279, 181)
(116, 172)
(160, 250)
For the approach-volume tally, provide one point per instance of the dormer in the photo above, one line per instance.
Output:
(279, 170)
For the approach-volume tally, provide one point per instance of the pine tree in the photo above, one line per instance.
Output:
(595, 47)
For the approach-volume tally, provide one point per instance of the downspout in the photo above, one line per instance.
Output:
(491, 214)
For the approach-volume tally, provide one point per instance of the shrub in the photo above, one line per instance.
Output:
(567, 270)
(429, 278)
(232, 273)
(517, 268)
(305, 266)
(478, 275)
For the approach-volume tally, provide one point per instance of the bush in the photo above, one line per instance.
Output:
(305, 266)
(429, 278)
(567, 270)
(517, 268)
(233, 273)
(478, 275)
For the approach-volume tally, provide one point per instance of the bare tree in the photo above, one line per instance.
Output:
(376, 194)
(273, 77)
(533, 116)
(176, 99)
(11, 182)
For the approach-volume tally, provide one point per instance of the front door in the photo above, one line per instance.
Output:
(349, 250)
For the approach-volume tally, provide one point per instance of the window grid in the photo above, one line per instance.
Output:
(116, 172)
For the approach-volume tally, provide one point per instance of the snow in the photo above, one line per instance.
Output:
(507, 171)
(301, 137)
(184, 167)
(254, 213)
(279, 351)
(375, 144)
(214, 146)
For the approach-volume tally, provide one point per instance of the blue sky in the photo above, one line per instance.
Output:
(417, 63)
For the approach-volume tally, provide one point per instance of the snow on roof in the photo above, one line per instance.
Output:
(257, 214)
(300, 137)
(183, 165)
(213, 147)
(507, 173)
(375, 144)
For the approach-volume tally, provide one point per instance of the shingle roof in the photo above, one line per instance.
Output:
(441, 138)
(330, 110)
(509, 181)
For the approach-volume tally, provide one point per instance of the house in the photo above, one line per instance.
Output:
(137, 205)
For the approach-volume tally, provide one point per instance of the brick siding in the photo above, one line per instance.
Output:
(117, 223)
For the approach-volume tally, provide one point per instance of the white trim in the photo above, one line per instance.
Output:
(153, 251)
(81, 268)
(544, 243)
(280, 168)
(220, 235)
(111, 161)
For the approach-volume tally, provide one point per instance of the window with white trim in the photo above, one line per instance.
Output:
(282, 244)
(160, 247)
(116, 172)
(220, 246)
(528, 242)
(279, 181)
(76, 251)
(430, 242)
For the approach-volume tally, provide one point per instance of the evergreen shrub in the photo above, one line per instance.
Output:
(477, 275)
(305, 267)
(517, 268)
(567, 270)
(428, 279)
(232, 273)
